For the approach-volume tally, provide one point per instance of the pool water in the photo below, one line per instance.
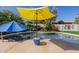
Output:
(58, 36)
(51, 36)
(68, 38)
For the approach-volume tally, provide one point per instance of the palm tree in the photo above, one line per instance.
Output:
(6, 16)
(54, 11)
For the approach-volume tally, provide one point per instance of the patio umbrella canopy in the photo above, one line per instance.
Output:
(42, 13)
(12, 26)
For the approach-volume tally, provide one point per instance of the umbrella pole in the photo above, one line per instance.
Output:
(37, 30)
(36, 23)
(2, 37)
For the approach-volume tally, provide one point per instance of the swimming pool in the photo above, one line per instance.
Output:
(51, 36)
(69, 38)
(59, 36)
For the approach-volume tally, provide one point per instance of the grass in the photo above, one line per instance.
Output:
(72, 32)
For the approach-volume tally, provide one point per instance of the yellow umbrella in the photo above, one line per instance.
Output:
(42, 13)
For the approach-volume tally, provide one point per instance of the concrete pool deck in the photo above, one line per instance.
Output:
(29, 47)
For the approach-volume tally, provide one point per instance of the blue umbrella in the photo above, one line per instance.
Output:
(12, 26)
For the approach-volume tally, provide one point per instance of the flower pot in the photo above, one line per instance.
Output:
(37, 42)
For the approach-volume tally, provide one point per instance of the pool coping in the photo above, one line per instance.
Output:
(69, 34)
(45, 32)
(25, 32)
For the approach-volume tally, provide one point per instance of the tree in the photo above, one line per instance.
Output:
(51, 27)
(54, 11)
(30, 25)
(76, 20)
(61, 22)
(6, 16)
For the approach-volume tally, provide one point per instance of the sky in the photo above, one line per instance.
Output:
(66, 13)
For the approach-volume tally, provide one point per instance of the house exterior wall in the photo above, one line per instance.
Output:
(68, 27)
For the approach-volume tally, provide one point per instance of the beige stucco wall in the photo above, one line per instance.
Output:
(64, 27)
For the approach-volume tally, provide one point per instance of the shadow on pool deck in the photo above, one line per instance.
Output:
(65, 45)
